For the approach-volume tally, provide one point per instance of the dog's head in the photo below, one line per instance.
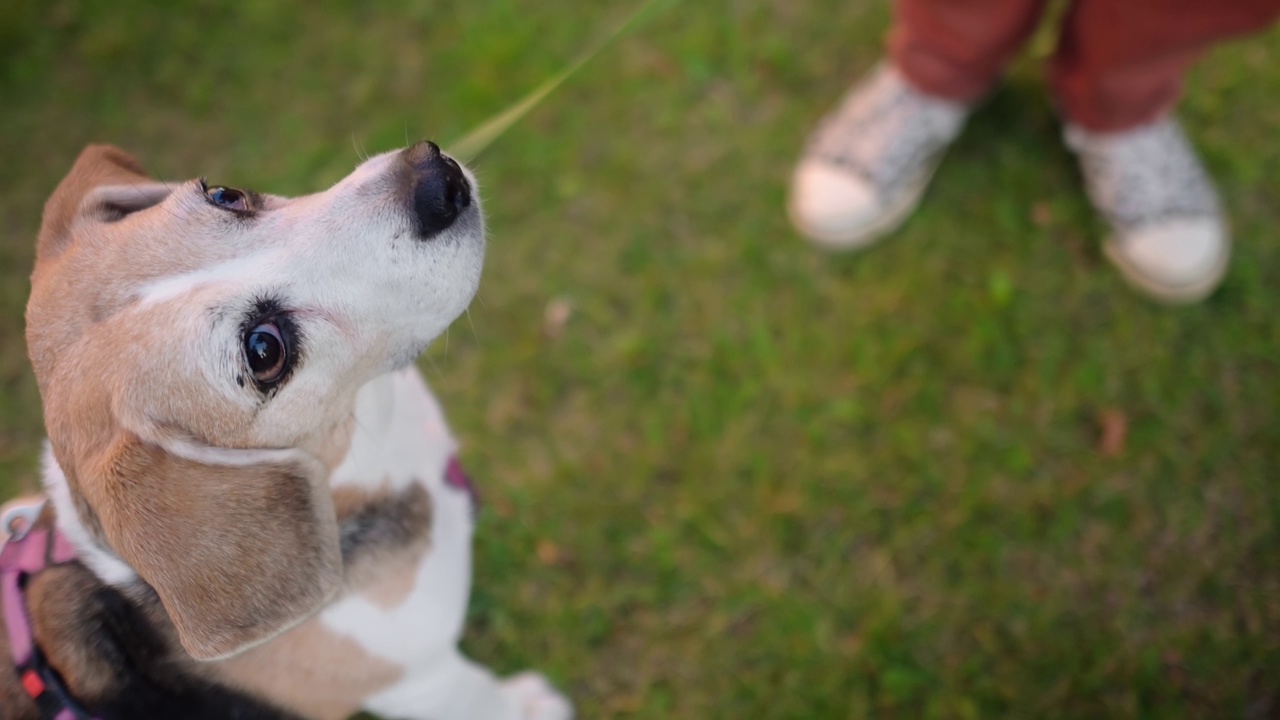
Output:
(198, 349)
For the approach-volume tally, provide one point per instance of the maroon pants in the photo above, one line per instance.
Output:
(1119, 63)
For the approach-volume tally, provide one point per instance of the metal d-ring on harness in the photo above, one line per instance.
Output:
(27, 550)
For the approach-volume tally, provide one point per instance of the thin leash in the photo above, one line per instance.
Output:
(475, 142)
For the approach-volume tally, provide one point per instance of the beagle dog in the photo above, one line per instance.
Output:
(261, 492)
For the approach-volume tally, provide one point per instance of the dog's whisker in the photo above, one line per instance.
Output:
(359, 425)
(355, 144)
(434, 367)
(137, 188)
(472, 323)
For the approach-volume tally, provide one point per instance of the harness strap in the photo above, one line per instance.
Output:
(22, 556)
(54, 700)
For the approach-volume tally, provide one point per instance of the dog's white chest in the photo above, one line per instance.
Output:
(401, 438)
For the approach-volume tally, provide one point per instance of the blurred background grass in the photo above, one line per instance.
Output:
(733, 477)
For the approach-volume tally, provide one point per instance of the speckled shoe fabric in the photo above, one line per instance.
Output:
(868, 163)
(1169, 237)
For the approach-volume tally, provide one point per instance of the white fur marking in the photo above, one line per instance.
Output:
(167, 288)
(400, 434)
(104, 563)
(232, 457)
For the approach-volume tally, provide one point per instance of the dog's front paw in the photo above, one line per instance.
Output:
(535, 698)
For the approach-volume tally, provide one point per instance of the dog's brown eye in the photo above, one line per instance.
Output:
(226, 197)
(265, 352)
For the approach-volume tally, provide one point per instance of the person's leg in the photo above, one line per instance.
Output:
(868, 163)
(1120, 63)
(1117, 75)
(957, 49)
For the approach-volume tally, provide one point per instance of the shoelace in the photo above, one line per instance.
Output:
(1145, 176)
(884, 128)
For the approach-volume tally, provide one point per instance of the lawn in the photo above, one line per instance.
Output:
(734, 477)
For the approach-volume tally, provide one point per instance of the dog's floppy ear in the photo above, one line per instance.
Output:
(105, 183)
(238, 550)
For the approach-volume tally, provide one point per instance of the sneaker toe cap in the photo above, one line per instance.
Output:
(831, 204)
(1176, 253)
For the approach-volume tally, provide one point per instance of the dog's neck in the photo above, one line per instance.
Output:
(394, 413)
(392, 410)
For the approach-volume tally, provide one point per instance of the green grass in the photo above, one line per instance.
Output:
(750, 480)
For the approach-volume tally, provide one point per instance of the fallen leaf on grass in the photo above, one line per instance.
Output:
(1041, 213)
(1083, 251)
(556, 316)
(502, 507)
(1113, 425)
(548, 552)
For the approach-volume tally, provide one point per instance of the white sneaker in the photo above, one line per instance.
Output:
(868, 163)
(1169, 236)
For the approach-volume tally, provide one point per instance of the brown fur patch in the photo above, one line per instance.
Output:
(97, 165)
(312, 671)
(398, 578)
(237, 554)
(384, 537)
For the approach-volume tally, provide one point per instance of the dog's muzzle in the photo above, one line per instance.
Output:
(439, 192)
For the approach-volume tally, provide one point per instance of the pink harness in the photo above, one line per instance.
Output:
(25, 553)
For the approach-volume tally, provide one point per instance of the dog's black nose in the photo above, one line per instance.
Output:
(440, 192)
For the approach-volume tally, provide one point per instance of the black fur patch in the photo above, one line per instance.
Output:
(391, 522)
(148, 677)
